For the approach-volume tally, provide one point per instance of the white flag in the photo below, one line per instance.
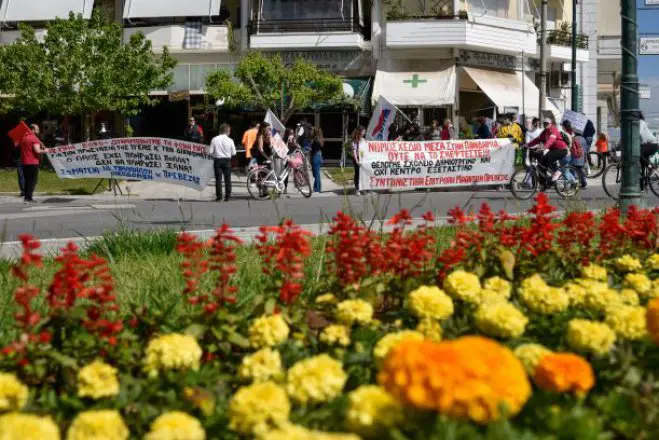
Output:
(278, 144)
(383, 116)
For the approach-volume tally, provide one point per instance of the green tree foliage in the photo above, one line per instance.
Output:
(81, 67)
(265, 82)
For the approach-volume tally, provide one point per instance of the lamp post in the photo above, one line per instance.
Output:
(630, 193)
(575, 87)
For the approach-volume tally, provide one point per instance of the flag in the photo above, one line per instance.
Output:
(383, 116)
(17, 133)
(278, 129)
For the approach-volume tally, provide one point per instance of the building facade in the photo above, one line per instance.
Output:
(438, 59)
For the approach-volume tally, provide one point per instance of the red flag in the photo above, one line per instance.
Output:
(17, 133)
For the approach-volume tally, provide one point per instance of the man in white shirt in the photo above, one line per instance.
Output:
(222, 149)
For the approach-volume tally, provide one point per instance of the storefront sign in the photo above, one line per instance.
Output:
(331, 60)
(179, 96)
(651, 2)
(496, 61)
(409, 165)
(163, 160)
(648, 46)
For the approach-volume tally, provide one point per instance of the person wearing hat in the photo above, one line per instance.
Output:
(554, 147)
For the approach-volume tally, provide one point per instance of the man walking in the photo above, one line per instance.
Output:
(31, 150)
(222, 149)
(193, 132)
(19, 168)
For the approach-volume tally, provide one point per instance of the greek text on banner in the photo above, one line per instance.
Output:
(436, 164)
(164, 160)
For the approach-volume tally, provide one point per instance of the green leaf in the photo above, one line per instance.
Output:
(197, 331)
(64, 360)
(238, 339)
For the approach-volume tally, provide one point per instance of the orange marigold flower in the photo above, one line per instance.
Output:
(469, 378)
(652, 318)
(564, 372)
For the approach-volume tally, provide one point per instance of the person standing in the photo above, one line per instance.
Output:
(194, 132)
(534, 132)
(19, 169)
(249, 139)
(305, 134)
(483, 131)
(576, 156)
(448, 132)
(31, 150)
(317, 142)
(222, 149)
(358, 148)
(434, 133)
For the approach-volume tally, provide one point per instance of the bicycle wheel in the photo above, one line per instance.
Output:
(302, 183)
(611, 180)
(524, 183)
(255, 186)
(653, 180)
(567, 184)
(596, 164)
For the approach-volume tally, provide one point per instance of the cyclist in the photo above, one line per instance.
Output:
(649, 143)
(554, 147)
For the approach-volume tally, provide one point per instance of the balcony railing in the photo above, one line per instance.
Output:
(397, 10)
(560, 37)
(264, 26)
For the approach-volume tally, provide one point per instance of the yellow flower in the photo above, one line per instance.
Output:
(262, 366)
(17, 426)
(652, 319)
(599, 297)
(336, 335)
(628, 322)
(576, 293)
(590, 336)
(316, 380)
(176, 425)
(257, 408)
(639, 282)
(354, 311)
(268, 331)
(327, 298)
(98, 380)
(464, 286)
(13, 394)
(501, 320)
(295, 432)
(498, 286)
(384, 345)
(629, 297)
(627, 263)
(430, 302)
(430, 328)
(652, 263)
(530, 355)
(172, 352)
(371, 411)
(594, 272)
(541, 298)
(564, 372)
(98, 425)
(469, 378)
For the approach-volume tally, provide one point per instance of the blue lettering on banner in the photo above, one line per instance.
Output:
(132, 172)
(81, 171)
(181, 177)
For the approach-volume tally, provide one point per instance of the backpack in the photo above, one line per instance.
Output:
(576, 149)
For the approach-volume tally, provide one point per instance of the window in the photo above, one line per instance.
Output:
(496, 8)
(305, 9)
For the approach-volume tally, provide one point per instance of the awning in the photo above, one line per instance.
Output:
(505, 91)
(171, 8)
(43, 10)
(416, 88)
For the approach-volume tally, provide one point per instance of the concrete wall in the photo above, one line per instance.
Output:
(587, 72)
(608, 18)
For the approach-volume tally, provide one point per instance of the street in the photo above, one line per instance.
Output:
(70, 217)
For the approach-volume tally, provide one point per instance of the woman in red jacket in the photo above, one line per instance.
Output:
(552, 141)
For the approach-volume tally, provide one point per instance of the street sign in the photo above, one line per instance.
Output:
(644, 92)
(648, 46)
(651, 2)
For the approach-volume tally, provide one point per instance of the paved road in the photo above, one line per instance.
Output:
(66, 217)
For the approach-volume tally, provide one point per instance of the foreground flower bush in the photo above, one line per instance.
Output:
(539, 328)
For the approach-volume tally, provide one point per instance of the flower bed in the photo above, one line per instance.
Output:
(537, 329)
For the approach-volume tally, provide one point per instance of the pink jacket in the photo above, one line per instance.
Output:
(551, 138)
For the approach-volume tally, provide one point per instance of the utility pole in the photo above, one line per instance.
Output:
(543, 59)
(575, 87)
(630, 193)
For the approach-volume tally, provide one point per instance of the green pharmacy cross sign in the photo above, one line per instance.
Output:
(415, 81)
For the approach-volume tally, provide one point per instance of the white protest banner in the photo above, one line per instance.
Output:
(577, 120)
(163, 160)
(436, 164)
(277, 128)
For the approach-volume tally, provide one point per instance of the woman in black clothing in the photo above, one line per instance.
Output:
(263, 146)
(316, 155)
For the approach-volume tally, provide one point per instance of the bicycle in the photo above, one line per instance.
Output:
(262, 182)
(524, 182)
(612, 178)
(597, 162)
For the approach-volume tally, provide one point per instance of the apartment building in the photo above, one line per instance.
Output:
(439, 58)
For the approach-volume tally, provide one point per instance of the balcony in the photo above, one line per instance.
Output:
(214, 38)
(328, 33)
(559, 42)
(8, 37)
